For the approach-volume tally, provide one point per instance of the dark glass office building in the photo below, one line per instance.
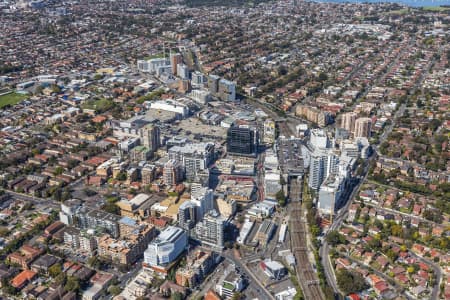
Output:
(242, 141)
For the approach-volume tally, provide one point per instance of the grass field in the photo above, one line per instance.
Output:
(11, 99)
(100, 105)
(398, 11)
(436, 8)
(159, 55)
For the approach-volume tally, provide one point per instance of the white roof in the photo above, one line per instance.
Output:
(139, 199)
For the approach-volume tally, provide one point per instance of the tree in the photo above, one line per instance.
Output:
(94, 262)
(58, 170)
(114, 290)
(55, 270)
(323, 76)
(72, 284)
(4, 231)
(280, 198)
(334, 238)
(392, 255)
(111, 208)
(237, 296)
(55, 88)
(57, 195)
(350, 282)
(176, 296)
(8, 288)
(122, 176)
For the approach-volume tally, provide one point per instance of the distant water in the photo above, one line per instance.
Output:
(415, 3)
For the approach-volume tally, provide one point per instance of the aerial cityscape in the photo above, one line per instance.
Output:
(224, 150)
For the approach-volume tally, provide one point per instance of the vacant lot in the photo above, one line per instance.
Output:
(11, 99)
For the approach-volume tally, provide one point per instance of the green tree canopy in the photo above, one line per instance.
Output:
(350, 282)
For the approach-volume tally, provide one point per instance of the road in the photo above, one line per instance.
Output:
(261, 289)
(35, 200)
(125, 278)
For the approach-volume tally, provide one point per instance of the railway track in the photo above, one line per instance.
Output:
(306, 274)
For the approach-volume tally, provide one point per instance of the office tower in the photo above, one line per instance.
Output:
(149, 136)
(182, 71)
(188, 215)
(172, 173)
(348, 121)
(363, 127)
(175, 60)
(226, 90)
(269, 131)
(166, 248)
(213, 84)
(242, 141)
(210, 231)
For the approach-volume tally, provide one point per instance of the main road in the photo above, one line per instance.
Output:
(262, 290)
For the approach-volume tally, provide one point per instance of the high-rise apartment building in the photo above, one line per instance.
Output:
(363, 127)
(198, 78)
(188, 215)
(148, 174)
(348, 121)
(200, 96)
(322, 164)
(182, 71)
(150, 137)
(152, 65)
(330, 195)
(194, 157)
(319, 139)
(202, 197)
(213, 84)
(227, 90)
(175, 60)
(87, 218)
(210, 231)
(173, 172)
